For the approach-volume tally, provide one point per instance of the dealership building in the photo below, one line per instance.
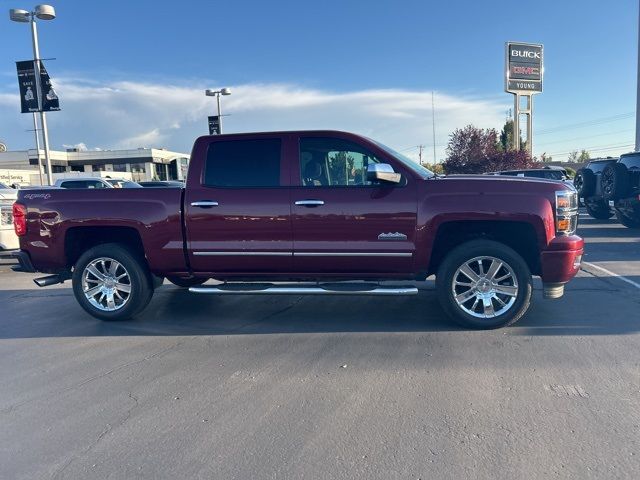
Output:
(141, 163)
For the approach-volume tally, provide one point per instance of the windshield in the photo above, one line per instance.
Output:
(406, 161)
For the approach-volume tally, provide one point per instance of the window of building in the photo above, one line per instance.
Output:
(243, 163)
(334, 162)
(120, 168)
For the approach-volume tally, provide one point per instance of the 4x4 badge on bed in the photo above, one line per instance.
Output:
(392, 236)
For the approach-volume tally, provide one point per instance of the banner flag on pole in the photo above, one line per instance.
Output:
(29, 91)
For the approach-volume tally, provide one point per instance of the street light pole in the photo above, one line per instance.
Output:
(43, 118)
(209, 92)
(35, 130)
(219, 112)
(43, 12)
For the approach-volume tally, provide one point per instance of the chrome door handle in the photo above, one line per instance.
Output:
(310, 203)
(204, 204)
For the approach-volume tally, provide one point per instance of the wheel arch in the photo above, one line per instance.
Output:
(80, 239)
(519, 235)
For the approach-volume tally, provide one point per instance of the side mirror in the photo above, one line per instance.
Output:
(382, 172)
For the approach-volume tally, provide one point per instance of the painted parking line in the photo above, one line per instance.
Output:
(612, 274)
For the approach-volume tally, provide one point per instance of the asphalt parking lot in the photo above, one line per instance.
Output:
(333, 387)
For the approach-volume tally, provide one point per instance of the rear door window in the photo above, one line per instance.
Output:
(243, 163)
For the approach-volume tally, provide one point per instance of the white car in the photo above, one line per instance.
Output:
(95, 182)
(8, 237)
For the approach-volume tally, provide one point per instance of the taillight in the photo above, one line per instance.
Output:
(20, 219)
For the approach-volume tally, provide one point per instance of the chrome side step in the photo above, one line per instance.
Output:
(314, 289)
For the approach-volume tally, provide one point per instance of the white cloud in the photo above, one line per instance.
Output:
(133, 114)
(82, 147)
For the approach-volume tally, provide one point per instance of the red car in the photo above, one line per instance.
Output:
(311, 206)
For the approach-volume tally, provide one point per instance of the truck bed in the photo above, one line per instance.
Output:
(59, 219)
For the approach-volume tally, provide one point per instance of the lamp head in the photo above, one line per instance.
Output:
(209, 92)
(19, 15)
(45, 12)
(225, 91)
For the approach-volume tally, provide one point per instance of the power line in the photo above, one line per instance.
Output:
(597, 148)
(595, 121)
(582, 138)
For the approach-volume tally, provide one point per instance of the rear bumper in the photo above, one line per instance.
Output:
(561, 260)
(629, 206)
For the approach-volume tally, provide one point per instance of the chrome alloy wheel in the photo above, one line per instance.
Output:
(106, 284)
(485, 287)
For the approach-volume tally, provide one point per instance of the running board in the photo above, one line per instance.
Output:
(315, 289)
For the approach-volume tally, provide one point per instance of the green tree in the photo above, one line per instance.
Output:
(584, 156)
(340, 164)
(506, 138)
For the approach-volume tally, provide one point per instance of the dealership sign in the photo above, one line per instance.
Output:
(524, 68)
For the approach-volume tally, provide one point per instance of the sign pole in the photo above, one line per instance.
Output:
(530, 124)
(43, 119)
(516, 122)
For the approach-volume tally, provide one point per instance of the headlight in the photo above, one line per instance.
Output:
(566, 212)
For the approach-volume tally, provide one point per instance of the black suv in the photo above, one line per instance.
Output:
(621, 188)
(589, 187)
(548, 172)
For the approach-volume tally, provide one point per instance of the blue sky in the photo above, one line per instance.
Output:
(132, 73)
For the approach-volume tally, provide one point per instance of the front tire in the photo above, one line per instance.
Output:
(111, 283)
(484, 284)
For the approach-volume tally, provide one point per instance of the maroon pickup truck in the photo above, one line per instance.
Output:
(311, 212)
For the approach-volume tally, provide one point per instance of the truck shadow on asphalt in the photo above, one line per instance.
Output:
(586, 309)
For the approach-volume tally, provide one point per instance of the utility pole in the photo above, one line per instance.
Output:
(638, 91)
(420, 147)
(433, 125)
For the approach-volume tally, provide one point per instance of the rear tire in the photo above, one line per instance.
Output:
(111, 283)
(187, 282)
(493, 300)
(599, 213)
(628, 222)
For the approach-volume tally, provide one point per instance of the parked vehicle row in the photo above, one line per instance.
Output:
(547, 172)
(610, 187)
(325, 212)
